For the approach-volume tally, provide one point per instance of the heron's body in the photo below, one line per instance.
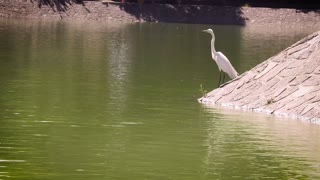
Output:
(224, 64)
(221, 60)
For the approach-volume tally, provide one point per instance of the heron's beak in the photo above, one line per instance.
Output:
(206, 31)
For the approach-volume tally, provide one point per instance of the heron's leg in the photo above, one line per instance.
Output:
(219, 79)
(224, 75)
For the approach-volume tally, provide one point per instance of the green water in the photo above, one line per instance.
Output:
(118, 101)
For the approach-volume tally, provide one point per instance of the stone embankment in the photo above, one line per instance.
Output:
(132, 12)
(287, 84)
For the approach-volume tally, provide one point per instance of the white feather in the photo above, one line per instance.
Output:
(225, 65)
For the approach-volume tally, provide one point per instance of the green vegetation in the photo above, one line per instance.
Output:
(203, 91)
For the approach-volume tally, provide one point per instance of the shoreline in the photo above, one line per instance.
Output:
(131, 12)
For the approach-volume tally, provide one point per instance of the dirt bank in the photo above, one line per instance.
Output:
(96, 10)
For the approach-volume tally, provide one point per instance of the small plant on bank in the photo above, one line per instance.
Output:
(246, 5)
(203, 91)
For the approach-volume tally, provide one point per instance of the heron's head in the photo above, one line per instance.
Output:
(210, 31)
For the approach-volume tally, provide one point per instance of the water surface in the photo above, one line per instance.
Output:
(86, 100)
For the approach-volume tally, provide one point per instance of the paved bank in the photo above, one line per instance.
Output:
(287, 84)
(96, 10)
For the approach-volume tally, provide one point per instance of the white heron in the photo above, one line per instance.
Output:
(221, 60)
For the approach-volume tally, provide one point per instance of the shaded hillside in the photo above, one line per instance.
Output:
(135, 12)
(297, 4)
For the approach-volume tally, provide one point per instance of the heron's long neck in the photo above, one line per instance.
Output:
(213, 50)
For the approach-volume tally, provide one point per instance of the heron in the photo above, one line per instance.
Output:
(222, 61)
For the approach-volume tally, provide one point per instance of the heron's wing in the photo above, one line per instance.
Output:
(224, 64)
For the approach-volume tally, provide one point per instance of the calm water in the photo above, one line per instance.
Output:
(118, 101)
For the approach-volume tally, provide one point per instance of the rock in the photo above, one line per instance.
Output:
(287, 84)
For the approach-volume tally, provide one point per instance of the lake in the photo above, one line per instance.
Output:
(92, 100)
